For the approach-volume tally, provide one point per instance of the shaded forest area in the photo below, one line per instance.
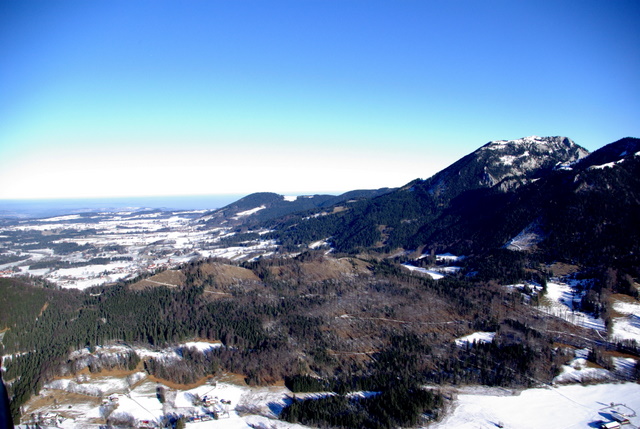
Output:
(375, 327)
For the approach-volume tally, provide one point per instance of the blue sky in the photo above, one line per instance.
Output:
(125, 98)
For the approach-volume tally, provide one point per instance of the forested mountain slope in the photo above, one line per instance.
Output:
(408, 217)
(262, 206)
(542, 195)
(587, 214)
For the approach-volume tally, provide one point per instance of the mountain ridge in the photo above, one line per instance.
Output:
(534, 186)
(508, 162)
(263, 206)
(403, 217)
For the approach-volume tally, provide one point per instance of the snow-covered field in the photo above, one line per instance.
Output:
(103, 248)
(564, 407)
(627, 327)
(241, 406)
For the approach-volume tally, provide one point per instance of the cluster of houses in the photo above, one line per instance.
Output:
(212, 409)
(43, 419)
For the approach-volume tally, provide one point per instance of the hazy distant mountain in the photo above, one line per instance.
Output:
(263, 206)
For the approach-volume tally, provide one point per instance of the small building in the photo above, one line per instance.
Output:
(623, 420)
(208, 401)
(610, 425)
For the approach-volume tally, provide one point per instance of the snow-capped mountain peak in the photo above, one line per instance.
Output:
(507, 163)
(541, 143)
(526, 157)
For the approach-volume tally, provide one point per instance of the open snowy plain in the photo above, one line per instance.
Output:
(84, 250)
(565, 407)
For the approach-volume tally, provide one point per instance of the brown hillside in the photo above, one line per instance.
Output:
(322, 269)
(169, 278)
(225, 275)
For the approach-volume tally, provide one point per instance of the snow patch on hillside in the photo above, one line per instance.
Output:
(435, 275)
(448, 257)
(201, 346)
(320, 243)
(563, 299)
(510, 159)
(607, 165)
(559, 301)
(249, 212)
(95, 386)
(240, 252)
(436, 272)
(476, 337)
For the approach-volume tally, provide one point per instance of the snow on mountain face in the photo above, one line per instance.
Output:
(507, 164)
(528, 148)
(531, 140)
(518, 159)
(249, 212)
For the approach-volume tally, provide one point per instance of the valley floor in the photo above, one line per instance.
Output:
(572, 406)
(131, 398)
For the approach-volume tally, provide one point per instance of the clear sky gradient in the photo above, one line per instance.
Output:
(126, 98)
